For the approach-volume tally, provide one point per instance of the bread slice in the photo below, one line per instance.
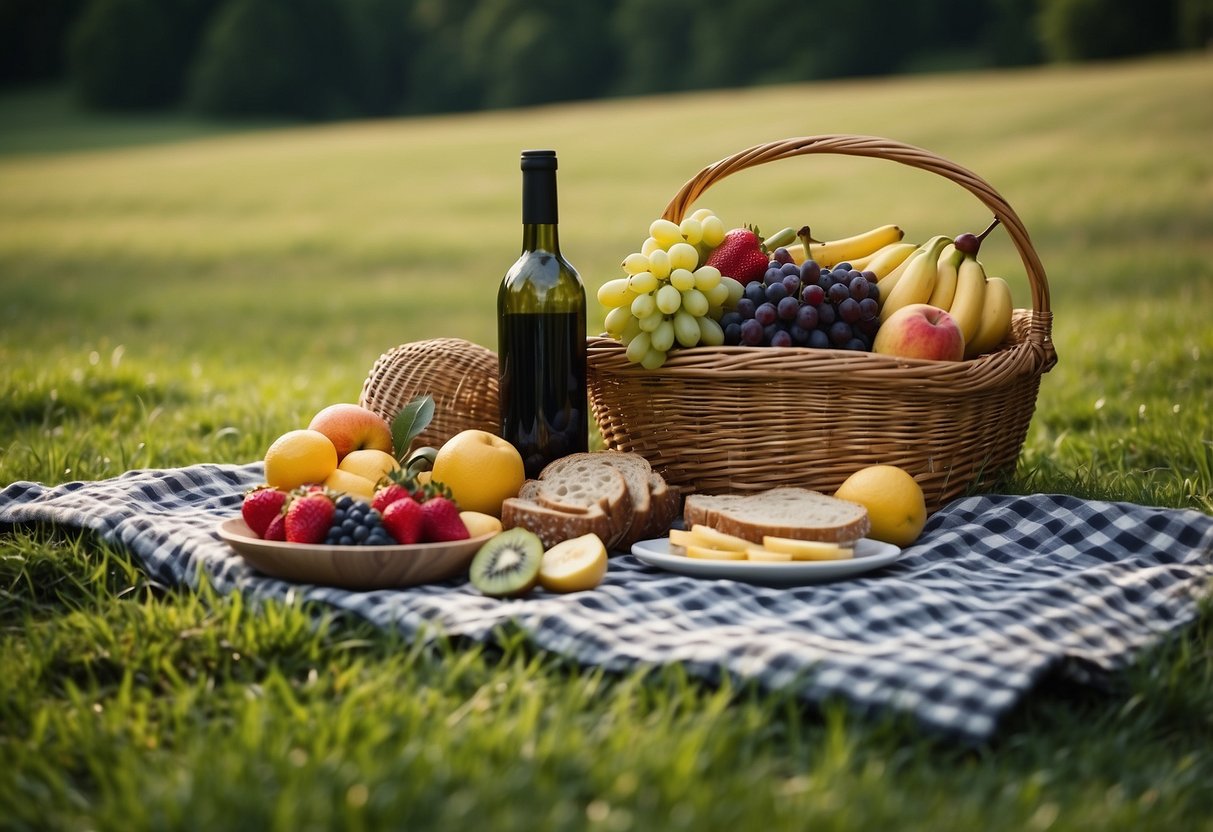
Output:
(636, 472)
(553, 525)
(582, 483)
(667, 505)
(782, 512)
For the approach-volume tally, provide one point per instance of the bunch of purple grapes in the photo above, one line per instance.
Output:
(805, 306)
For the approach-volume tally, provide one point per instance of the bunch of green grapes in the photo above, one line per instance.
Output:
(667, 296)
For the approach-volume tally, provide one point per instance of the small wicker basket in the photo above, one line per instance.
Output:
(738, 419)
(459, 375)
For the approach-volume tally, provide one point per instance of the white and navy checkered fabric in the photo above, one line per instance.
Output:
(998, 592)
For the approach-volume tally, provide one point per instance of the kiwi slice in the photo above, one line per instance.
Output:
(507, 565)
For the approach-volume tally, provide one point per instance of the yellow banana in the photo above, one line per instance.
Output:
(881, 262)
(887, 282)
(917, 281)
(970, 295)
(945, 283)
(846, 249)
(995, 318)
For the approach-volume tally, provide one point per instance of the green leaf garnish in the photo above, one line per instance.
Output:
(412, 419)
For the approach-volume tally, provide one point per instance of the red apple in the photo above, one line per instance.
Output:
(920, 331)
(352, 427)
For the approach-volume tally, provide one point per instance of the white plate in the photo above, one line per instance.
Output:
(352, 567)
(869, 555)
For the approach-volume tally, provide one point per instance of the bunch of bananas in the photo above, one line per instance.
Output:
(952, 278)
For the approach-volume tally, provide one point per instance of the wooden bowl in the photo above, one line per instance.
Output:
(352, 567)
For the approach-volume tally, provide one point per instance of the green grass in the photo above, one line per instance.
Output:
(177, 292)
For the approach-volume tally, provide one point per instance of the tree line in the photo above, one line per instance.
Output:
(330, 59)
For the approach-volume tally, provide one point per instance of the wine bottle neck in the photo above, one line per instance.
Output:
(540, 237)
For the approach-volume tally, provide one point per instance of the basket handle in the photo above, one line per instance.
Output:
(876, 147)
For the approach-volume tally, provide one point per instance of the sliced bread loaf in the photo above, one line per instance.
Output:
(553, 525)
(782, 512)
(636, 472)
(583, 483)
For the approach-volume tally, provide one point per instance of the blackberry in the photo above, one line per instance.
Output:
(355, 523)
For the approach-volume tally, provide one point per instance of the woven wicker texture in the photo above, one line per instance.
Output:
(459, 375)
(737, 419)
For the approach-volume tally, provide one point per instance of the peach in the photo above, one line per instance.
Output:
(920, 331)
(352, 427)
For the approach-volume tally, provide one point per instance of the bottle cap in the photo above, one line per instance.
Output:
(539, 160)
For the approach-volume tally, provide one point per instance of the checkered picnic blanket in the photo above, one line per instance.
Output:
(998, 592)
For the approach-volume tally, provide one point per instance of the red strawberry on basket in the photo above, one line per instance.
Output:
(309, 517)
(403, 519)
(261, 506)
(440, 521)
(741, 256)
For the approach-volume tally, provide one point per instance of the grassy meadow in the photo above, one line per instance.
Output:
(177, 292)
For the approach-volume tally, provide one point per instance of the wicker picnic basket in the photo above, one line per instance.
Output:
(460, 376)
(741, 419)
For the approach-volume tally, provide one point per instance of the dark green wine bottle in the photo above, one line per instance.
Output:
(541, 343)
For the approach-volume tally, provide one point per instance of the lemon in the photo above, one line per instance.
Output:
(481, 469)
(347, 482)
(895, 503)
(480, 524)
(298, 457)
(574, 565)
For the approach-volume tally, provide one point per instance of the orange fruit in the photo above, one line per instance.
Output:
(298, 457)
(481, 469)
(895, 503)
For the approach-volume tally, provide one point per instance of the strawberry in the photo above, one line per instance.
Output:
(389, 494)
(309, 517)
(440, 521)
(261, 506)
(741, 256)
(276, 530)
(403, 520)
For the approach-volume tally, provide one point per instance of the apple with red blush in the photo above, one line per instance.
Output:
(920, 331)
(352, 427)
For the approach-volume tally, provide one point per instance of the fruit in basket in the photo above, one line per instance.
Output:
(351, 427)
(920, 331)
(946, 268)
(507, 565)
(481, 469)
(309, 516)
(261, 506)
(884, 260)
(669, 296)
(298, 457)
(806, 306)
(845, 249)
(969, 298)
(916, 283)
(741, 256)
(574, 565)
(995, 318)
(896, 505)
